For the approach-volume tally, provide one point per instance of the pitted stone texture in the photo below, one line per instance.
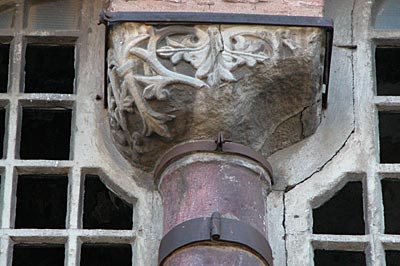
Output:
(271, 7)
(261, 85)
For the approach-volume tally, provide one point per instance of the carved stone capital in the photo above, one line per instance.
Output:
(260, 85)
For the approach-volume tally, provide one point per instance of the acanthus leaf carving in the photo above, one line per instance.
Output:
(146, 62)
(214, 59)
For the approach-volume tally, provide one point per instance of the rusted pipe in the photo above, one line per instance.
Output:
(214, 210)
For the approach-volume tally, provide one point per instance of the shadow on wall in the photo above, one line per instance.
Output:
(337, 125)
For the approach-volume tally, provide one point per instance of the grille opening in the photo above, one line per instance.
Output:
(49, 69)
(386, 14)
(45, 134)
(342, 214)
(52, 15)
(392, 257)
(41, 201)
(4, 61)
(389, 137)
(391, 201)
(388, 71)
(106, 254)
(38, 255)
(338, 258)
(103, 209)
(7, 16)
(2, 131)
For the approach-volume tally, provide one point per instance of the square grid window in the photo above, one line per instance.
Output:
(53, 210)
(341, 217)
(387, 101)
(359, 224)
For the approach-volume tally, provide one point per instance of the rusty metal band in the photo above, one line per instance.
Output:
(218, 230)
(179, 151)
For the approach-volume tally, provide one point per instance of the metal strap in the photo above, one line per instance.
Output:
(217, 230)
(219, 146)
(206, 17)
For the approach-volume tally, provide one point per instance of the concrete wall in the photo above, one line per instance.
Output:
(344, 148)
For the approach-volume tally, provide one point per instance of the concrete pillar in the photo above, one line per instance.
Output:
(200, 184)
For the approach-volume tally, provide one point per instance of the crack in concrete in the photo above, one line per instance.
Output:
(319, 169)
(284, 226)
(289, 188)
(338, 150)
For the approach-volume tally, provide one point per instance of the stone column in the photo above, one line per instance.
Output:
(174, 84)
(226, 184)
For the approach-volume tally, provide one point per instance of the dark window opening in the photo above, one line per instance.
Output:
(4, 61)
(41, 201)
(388, 71)
(389, 137)
(391, 203)
(106, 255)
(45, 134)
(2, 131)
(342, 214)
(49, 69)
(338, 258)
(1, 199)
(103, 209)
(38, 255)
(392, 257)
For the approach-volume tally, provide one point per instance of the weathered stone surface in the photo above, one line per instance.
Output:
(272, 7)
(168, 84)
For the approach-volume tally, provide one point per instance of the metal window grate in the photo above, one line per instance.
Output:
(56, 14)
(45, 116)
(387, 14)
(7, 15)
